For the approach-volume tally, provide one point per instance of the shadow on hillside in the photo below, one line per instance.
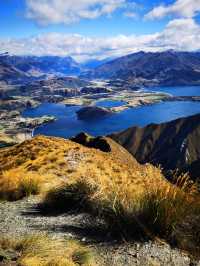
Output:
(85, 226)
(80, 225)
(41, 210)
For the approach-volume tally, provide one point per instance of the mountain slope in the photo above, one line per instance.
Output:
(10, 74)
(107, 196)
(172, 145)
(42, 151)
(53, 161)
(56, 160)
(161, 68)
(94, 63)
(38, 65)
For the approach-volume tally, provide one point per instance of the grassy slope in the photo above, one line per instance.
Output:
(57, 160)
(112, 185)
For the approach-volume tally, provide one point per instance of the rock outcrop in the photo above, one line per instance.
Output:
(99, 143)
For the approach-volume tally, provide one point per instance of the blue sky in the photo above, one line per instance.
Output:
(88, 29)
(15, 23)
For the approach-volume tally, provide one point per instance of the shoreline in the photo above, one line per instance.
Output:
(20, 128)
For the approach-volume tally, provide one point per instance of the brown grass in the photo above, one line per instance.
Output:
(162, 209)
(16, 184)
(45, 162)
(41, 250)
(165, 208)
(131, 198)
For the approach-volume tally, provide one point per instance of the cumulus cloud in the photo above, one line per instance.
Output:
(80, 47)
(69, 11)
(179, 34)
(181, 8)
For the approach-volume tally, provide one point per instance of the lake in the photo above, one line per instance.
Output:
(178, 91)
(67, 124)
(109, 103)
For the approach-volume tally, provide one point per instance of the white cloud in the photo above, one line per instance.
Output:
(78, 46)
(131, 14)
(181, 8)
(68, 11)
(179, 34)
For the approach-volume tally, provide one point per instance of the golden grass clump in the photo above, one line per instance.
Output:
(42, 250)
(130, 208)
(112, 198)
(165, 208)
(16, 184)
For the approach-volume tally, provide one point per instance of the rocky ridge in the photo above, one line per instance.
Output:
(168, 68)
(173, 145)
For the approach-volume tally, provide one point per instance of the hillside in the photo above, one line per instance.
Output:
(172, 145)
(168, 68)
(92, 189)
(64, 158)
(10, 74)
(60, 83)
(40, 65)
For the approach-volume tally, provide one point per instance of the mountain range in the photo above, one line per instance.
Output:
(10, 74)
(172, 145)
(169, 68)
(39, 66)
(17, 69)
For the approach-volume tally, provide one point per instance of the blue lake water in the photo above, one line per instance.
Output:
(68, 125)
(109, 103)
(178, 91)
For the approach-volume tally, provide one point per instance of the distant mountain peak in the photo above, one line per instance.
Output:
(41, 65)
(169, 67)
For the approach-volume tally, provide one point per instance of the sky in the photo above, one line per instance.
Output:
(98, 29)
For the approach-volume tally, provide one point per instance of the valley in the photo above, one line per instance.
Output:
(119, 98)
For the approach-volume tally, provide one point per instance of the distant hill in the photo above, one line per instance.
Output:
(10, 74)
(61, 82)
(162, 68)
(172, 145)
(40, 65)
(93, 63)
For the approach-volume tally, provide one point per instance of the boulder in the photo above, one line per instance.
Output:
(99, 143)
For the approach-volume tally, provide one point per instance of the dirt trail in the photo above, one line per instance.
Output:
(21, 217)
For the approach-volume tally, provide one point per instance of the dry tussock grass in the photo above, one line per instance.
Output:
(54, 160)
(41, 250)
(16, 184)
(128, 196)
(131, 208)
(31, 167)
(165, 208)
